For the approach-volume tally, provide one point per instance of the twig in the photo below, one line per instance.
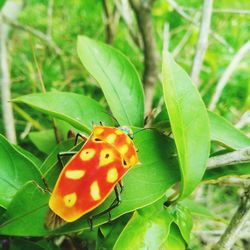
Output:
(109, 25)
(123, 7)
(227, 74)
(236, 157)
(50, 18)
(43, 37)
(10, 9)
(184, 39)
(142, 11)
(244, 120)
(181, 11)
(240, 217)
(202, 41)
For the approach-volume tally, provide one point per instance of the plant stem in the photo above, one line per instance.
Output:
(240, 217)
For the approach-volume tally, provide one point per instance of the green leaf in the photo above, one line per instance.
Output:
(189, 123)
(175, 240)
(25, 214)
(143, 184)
(117, 77)
(225, 133)
(16, 169)
(109, 232)
(44, 140)
(80, 111)
(216, 174)
(147, 229)
(196, 209)
(37, 162)
(183, 219)
(21, 244)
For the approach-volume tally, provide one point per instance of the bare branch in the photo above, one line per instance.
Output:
(50, 18)
(125, 11)
(240, 217)
(109, 25)
(142, 11)
(202, 41)
(227, 74)
(236, 157)
(43, 37)
(181, 11)
(244, 120)
(10, 9)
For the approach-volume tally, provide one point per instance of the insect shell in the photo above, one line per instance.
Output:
(91, 174)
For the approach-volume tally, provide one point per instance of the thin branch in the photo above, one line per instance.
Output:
(231, 234)
(109, 25)
(184, 39)
(202, 41)
(12, 10)
(236, 157)
(142, 11)
(181, 11)
(227, 74)
(244, 120)
(50, 18)
(40, 35)
(123, 7)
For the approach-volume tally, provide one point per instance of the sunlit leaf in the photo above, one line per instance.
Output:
(225, 133)
(78, 110)
(16, 169)
(117, 77)
(189, 123)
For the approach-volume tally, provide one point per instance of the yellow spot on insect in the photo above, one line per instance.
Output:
(111, 138)
(98, 131)
(74, 174)
(128, 140)
(133, 160)
(106, 157)
(70, 199)
(112, 175)
(119, 132)
(95, 191)
(87, 154)
(123, 149)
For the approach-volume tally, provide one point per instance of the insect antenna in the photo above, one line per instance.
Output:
(142, 129)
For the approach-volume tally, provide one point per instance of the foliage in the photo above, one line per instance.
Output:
(157, 198)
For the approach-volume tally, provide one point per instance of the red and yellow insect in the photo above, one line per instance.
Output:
(93, 172)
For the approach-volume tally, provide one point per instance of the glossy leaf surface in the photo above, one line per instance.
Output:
(189, 123)
(117, 77)
(16, 169)
(78, 110)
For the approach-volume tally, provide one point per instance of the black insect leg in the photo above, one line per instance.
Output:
(114, 204)
(77, 137)
(121, 186)
(62, 154)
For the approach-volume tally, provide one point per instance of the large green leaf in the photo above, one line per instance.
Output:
(26, 213)
(143, 185)
(189, 123)
(147, 229)
(16, 169)
(175, 240)
(44, 140)
(183, 219)
(117, 77)
(78, 110)
(225, 133)
(21, 244)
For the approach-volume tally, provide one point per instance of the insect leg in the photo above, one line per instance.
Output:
(62, 154)
(114, 204)
(77, 137)
(121, 186)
